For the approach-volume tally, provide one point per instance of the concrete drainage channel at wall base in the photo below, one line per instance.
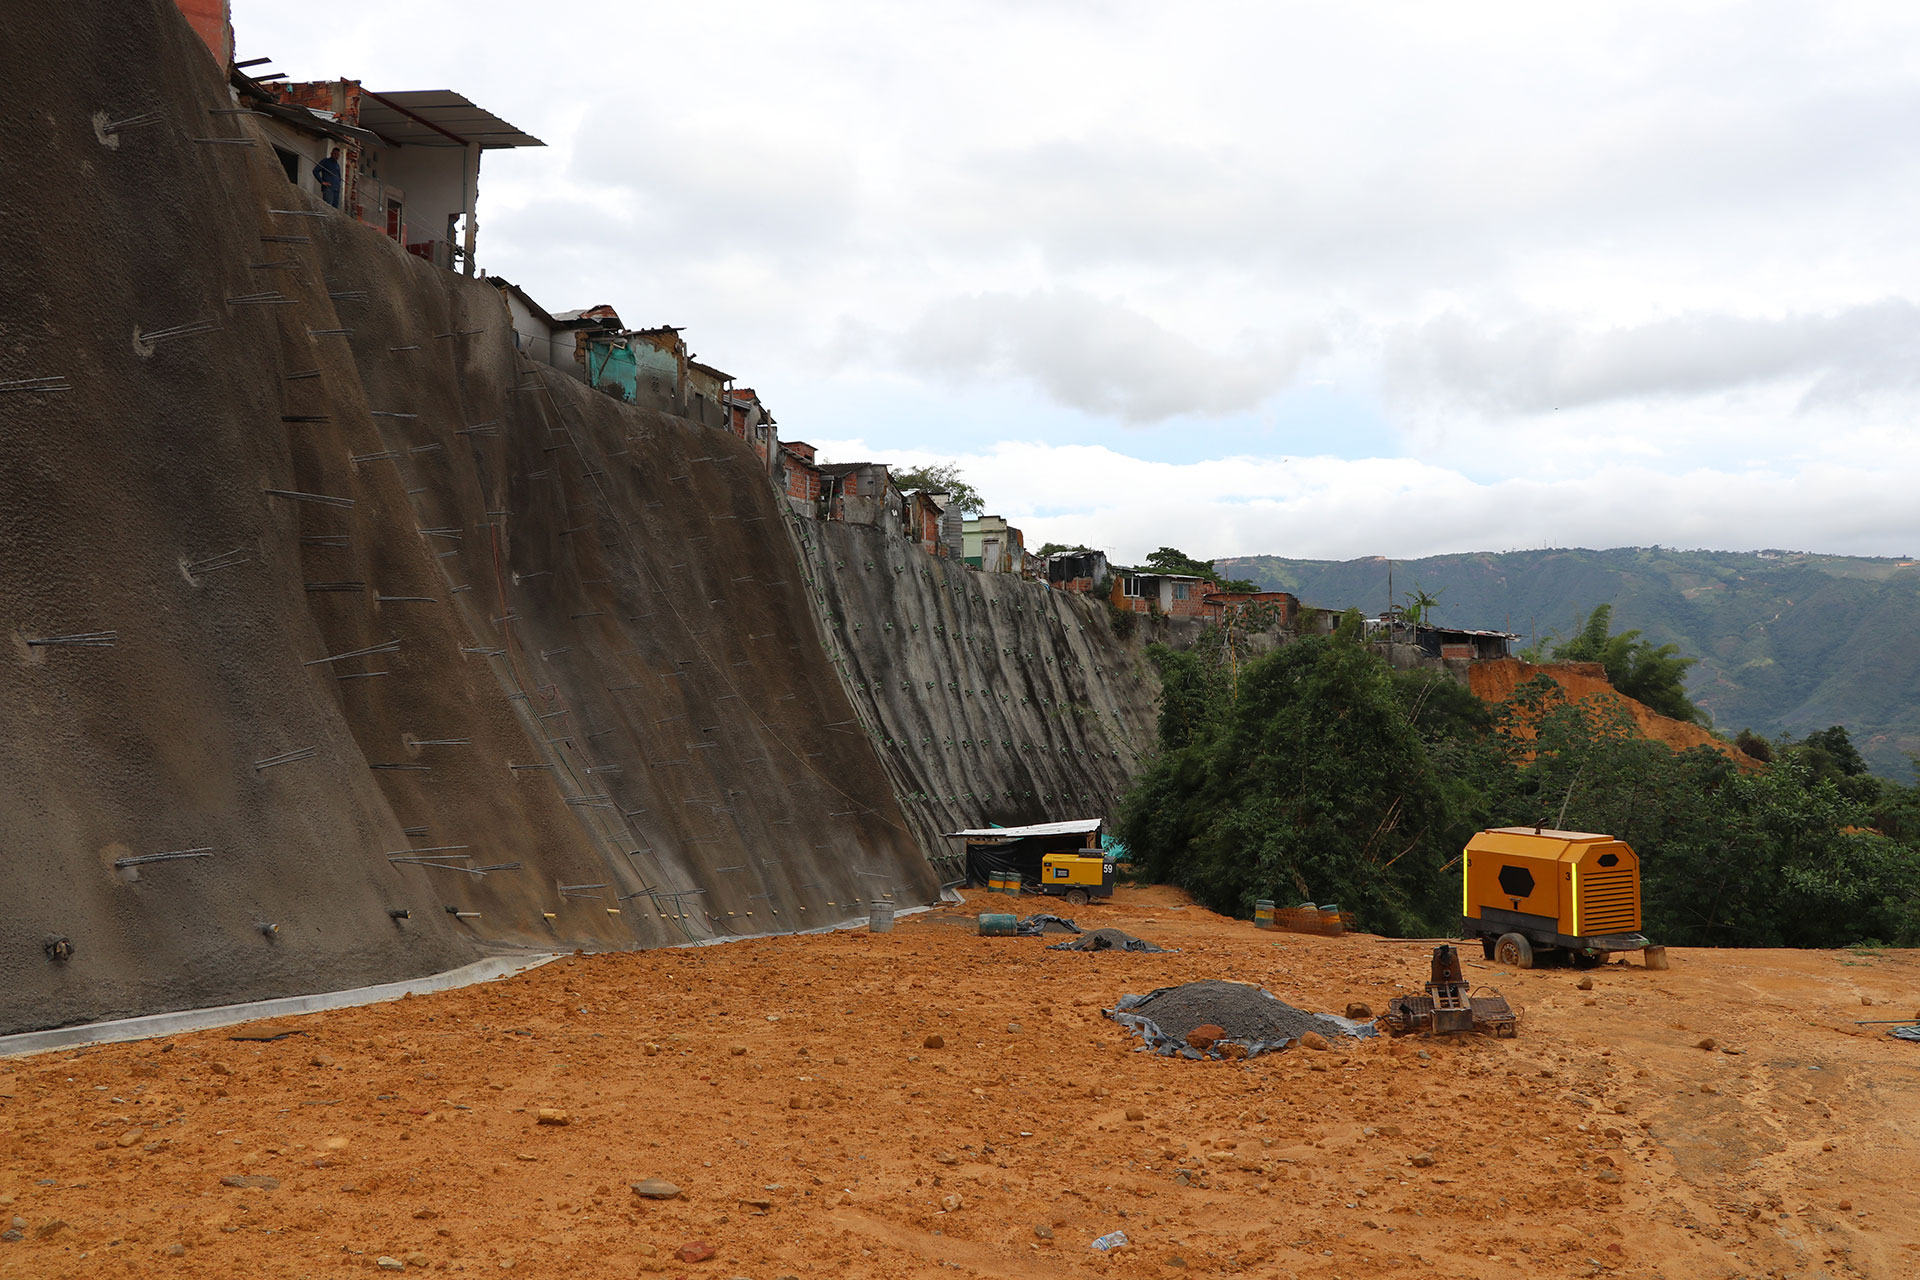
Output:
(227, 1015)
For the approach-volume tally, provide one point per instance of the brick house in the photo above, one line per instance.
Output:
(1177, 595)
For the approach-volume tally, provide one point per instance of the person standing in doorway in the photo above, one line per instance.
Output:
(327, 174)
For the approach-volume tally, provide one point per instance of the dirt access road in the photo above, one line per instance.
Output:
(788, 1087)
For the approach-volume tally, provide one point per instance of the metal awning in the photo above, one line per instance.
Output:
(1077, 827)
(437, 118)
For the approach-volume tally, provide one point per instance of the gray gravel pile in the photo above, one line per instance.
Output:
(1253, 1018)
(1107, 940)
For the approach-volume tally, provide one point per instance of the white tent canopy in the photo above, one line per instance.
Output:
(1077, 827)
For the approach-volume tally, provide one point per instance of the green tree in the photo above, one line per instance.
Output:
(1174, 560)
(1648, 673)
(1056, 548)
(941, 477)
(1311, 784)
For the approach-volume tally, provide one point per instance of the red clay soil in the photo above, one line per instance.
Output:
(788, 1087)
(1496, 681)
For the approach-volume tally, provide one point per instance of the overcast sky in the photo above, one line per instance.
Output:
(1304, 280)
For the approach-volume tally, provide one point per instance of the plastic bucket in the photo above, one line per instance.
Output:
(996, 924)
(880, 919)
(1263, 914)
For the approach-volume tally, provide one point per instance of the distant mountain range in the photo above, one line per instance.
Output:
(1788, 641)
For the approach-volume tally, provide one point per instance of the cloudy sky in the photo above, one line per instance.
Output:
(1304, 280)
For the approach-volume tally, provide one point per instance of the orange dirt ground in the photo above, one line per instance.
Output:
(786, 1086)
(1496, 681)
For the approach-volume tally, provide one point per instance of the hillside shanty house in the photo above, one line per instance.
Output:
(991, 545)
(799, 475)
(1220, 604)
(409, 158)
(856, 492)
(1080, 571)
(1177, 595)
(749, 419)
(922, 516)
(1460, 644)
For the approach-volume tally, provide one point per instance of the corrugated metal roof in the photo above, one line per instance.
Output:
(426, 118)
(1076, 827)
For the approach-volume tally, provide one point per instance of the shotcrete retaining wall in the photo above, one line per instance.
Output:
(376, 589)
(990, 699)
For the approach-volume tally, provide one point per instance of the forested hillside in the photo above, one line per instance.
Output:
(1788, 642)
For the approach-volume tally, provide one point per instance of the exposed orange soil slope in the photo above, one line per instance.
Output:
(1496, 681)
(793, 1098)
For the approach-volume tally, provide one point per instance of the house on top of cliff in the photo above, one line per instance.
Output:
(1220, 604)
(750, 420)
(991, 545)
(1177, 595)
(562, 341)
(1079, 571)
(409, 158)
(708, 390)
(922, 520)
(798, 475)
(857, 492)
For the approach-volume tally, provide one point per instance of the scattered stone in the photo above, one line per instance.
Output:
(1610, 1176)
(1421, 1161)
(131, 1136)
(551, 1115)
(952, 1203)
(1204, 1037)
(50, 1229)
(1585, 984)
(651, 1050)
(418, 1260)
(261, 1181)
(1826, 1146)
(934, 1041)
(1845, 1206)
(1044, 1231)
(760, 1206)
(19, 1223)
(337, 1144)
(1359, 1011)
(13, 1235)
(738, 1051)
(1314, 1040)
(320, 1060)
(176, 1251)
(390, 1264)
(655, 1189)
(1135, 1113)
(947, 1158)
(1866, 999)
(1706, 1042)
(1014, 1028)
(220, 1068)
(797, 1102)
(694, 1251)
(839, 1060)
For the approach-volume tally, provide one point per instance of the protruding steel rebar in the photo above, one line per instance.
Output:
(142, 859)
(286, 757)
(78, 640)
(45, 386)
(226, 560)
(388, 647)
(296, 496)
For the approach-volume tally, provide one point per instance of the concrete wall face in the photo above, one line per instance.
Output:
(989, 698)
(511, 614)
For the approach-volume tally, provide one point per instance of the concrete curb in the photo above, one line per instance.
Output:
(226, 1015)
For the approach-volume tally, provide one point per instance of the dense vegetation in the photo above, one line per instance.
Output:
(1317, 773)
(1788, 642)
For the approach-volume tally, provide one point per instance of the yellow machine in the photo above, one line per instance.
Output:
(1529, 892)
(1078, 877)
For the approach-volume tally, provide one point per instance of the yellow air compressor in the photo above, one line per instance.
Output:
(1530, 892)
(1078, 877)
